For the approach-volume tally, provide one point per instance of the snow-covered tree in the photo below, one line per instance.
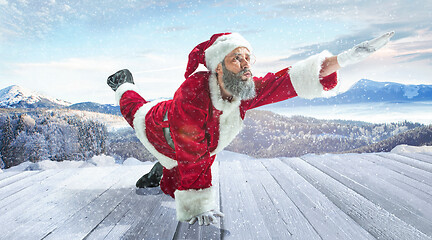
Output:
(7, 136)
(36, 148)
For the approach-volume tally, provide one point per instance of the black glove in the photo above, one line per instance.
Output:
(118, 78)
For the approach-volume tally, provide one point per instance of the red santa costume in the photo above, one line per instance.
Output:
(201, 123)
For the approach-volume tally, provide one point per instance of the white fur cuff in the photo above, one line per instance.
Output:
(190, 203)
(305, 77)
(124, 88)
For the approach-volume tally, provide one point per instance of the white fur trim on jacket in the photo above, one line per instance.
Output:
(192, 202)
(140, 129)
(221, 47)
(230, 122)
(124, 88)
(305, 77)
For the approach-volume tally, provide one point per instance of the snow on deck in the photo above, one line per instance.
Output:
(349, 196)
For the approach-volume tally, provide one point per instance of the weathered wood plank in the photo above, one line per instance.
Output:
(282, 217)
(28, 192)
(326, 218)
(128, 215)
(427, 153)
(79, 225)
(7, 173)
(409, 171)
(121, 218)
(213, 232)
(374, 182)
(82, 222)
(242, 217)
(416, 181)
(28, 182)
(376, 220)
(16, 178)
(187, 231)
(383, 191)
(159, 223)
(406, 160)
(418, 156)
(113, 219)
(262, 199)
(37, 219)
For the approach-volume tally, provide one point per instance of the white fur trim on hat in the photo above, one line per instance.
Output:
(222, 47)
(305, 77)
(190, 203)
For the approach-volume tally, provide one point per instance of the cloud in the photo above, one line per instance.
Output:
(409, 46)
(36, 19)
(413, 57)
(175, 28)
(364, 19)
(84, 79)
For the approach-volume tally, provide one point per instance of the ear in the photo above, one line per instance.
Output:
(219, 70)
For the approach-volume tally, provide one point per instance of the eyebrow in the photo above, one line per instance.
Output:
(237, 54)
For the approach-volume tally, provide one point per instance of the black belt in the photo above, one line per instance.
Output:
(167, 134)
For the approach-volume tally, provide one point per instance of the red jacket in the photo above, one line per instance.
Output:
(201, 124)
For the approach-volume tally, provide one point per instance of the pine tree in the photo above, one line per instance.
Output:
(36, 148)
(7, 138)
(2, 163)
(20, 125)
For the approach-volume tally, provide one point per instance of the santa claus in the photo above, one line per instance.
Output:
(208, 109)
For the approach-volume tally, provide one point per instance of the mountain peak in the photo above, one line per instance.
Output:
(16, 96)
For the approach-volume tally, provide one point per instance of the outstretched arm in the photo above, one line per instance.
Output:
(354, 55)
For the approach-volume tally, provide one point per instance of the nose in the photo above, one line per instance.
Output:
(245, 64)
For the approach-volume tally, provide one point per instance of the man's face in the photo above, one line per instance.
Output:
(238, 60)
(237, 77)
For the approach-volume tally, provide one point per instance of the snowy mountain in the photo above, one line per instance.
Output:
(369, 91)
(96, 107)
(18, 97)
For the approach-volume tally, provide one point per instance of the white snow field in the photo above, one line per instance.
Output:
(347, 196)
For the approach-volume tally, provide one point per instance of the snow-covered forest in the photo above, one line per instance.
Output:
(47, 135)
(267, 134)
(61, 134)
(58, 135)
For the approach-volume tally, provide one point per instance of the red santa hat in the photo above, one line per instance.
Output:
(212, 52)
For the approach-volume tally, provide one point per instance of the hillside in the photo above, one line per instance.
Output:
(366, 91)
(267, 134)
(419, 136)
(96, 107)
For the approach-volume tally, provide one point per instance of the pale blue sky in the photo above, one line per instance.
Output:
(66, 49)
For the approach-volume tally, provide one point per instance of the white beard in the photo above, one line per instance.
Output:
(244, 89)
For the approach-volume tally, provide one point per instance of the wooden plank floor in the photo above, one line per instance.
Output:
(349, 196)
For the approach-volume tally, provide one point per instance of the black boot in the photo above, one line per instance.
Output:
(151, 179)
